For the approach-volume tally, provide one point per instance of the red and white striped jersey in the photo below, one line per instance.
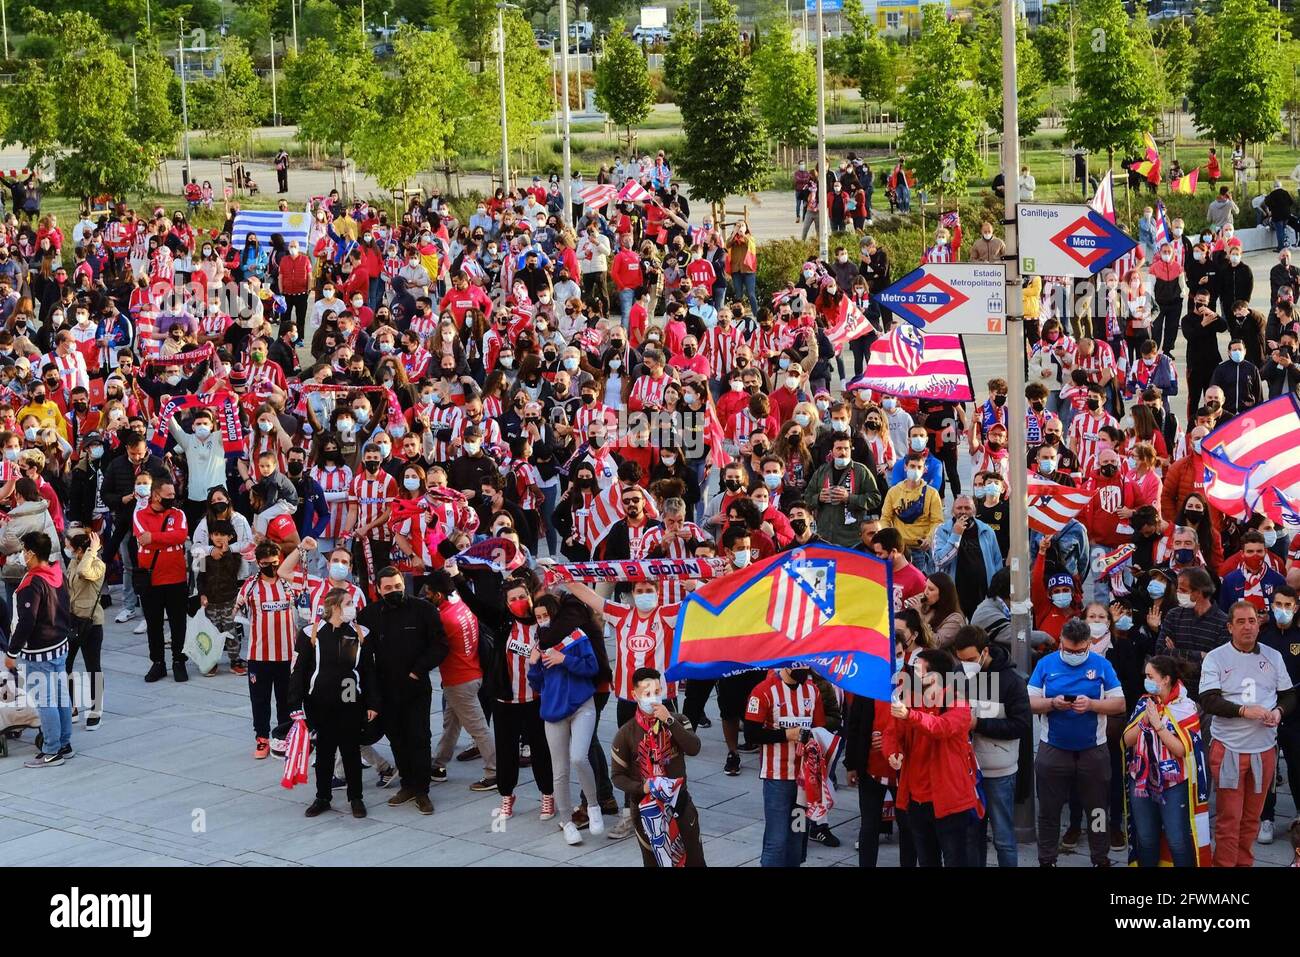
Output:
(162, 267)
(316, 588)
(648, 391)
(371, 496)
(492, 407)
(214, 325)
(660, 540)
(440, 417)
(719, 347)
(740, 425)
(1085, 436)
(265, 372)
(72, 369)
(491, 433)
(272, 615)
(1101, 359)
(774, 704)
(520, 644)
(337, 484)
(883, 450)
(416, 364)
(139, 237)
(938, 254)
(766, 341)
(425, 326)
(596, 412)
(265, 442)
(640, 641)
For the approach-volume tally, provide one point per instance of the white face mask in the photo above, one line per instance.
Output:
(349, 613)
(1098, 629)
(645, 601)
(740, 558)
(1185, 599)
(649, 703)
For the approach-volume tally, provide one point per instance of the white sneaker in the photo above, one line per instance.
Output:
(571, 834)
(125, 615)
(1265, 833)
(141, 628)
(595, 821)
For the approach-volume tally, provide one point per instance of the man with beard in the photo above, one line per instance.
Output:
(409, 643)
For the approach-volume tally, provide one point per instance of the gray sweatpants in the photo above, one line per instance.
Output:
(462, 709)
(1055, 772)
(568, 741)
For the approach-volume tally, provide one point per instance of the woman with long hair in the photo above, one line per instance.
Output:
(1162, 754)
(940, 606)
(912, 635)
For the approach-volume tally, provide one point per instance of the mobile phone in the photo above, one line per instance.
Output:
(1070, 697)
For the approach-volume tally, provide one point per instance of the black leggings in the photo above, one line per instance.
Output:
(89, 640)
(513, 722)
(338, 730)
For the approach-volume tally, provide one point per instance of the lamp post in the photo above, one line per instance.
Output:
(185, 108)
(275, 103)
(293, 16)
(566, 174)
(823, 175)
(501, 83)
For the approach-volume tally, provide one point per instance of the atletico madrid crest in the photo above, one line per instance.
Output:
(803, 596)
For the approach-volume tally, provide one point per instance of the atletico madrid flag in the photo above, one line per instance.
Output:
(825, 607)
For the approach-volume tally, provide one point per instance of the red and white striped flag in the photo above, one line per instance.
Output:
(1052, 506)
(1251, 453)
(297, 752)
(851, 323)
(794, 609)
(597, 195)
(607, 509)
(908, 362)
(1103, 201)
(633, 192)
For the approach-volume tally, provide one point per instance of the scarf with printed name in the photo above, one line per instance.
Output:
(232, 432)
(626, 570)
(818, 758)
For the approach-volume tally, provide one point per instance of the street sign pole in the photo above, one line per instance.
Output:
(1022, 619)
(823, 175)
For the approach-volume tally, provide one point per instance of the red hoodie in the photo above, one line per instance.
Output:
(938, 761)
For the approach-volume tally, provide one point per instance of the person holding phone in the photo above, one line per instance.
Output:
(1075, 689)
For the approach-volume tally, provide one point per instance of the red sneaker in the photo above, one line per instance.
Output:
(262, 749)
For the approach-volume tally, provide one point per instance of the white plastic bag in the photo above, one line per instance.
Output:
(204, 644)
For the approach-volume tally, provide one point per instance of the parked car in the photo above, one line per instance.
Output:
(651, 35)
(384, 50)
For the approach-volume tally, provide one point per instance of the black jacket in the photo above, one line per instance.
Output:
(335, 673)
(616, 544)
(42, 617)
(119, 480)
(407, 640)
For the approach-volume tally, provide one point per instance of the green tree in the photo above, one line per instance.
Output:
(725, 139)
(681, 49)
(155, 123)
(941, 111)
(603, 13)
(229, 104)
(475, 22)
(1236, 82)
(623, 89)
(1174, 44)
(253, 21)
(786, 83)
(76, 110)
(331, 89)
(987, 49)
(868, 58)
(413, 119)
(320, 19)
(1114, 106)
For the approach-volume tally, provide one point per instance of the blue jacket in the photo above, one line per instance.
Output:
(565, 687)
(946, 545)
(313, 513)
(1233, 588)
(933, 472)
(1072, 541)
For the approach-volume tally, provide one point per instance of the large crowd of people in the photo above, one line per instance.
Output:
(362, 454)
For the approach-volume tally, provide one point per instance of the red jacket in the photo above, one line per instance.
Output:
(938, 761)
(626, 269)
(461, 628)
(1047, 617)
(295, 275)
(165, 553)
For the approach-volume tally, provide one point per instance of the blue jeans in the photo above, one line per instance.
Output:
(47, 689)
(1152, 820)
(784, 843)
(1279, 230)
(745, 285)
(999, 808)
(625, 299)
(550, 496)
(719, 295)
(923, 559)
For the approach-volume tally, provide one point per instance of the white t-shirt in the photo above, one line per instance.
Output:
(1245, 678)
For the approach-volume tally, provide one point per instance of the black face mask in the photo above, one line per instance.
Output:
(732, 484)
(371, 467)
(167, 503)
(688, 351)
(268, 568)
(759, 449)
(395, 599)
(1108, 470)
(294, 468)
(799, 525)
(999, 400)
(1094, 405)
(1038, 405)
(799, 675)
(588, 399)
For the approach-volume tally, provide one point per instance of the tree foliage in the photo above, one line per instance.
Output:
(155, 124)
(1236, 83)
(681, 49)
(941, 111)
(786, 83)
(414, 115)
(1174, 46)
(331, 89)
(987, 49)
(725, 138)
(1114, 106)
(868, 59)
(77, 110)
(231, 102)
(623, 89)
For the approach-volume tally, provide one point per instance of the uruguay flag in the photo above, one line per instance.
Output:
(263, 223)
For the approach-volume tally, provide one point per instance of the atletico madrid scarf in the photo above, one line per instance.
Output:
(658, 809)
(297, 758)
(185, 359)
(232, 432)
(652, 570)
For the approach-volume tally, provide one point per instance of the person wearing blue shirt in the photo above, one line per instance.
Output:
(1075, 690)
(918, 441)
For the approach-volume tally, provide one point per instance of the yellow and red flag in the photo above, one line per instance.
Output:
(1150, 167)
(1186, 183)
(828, 608)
